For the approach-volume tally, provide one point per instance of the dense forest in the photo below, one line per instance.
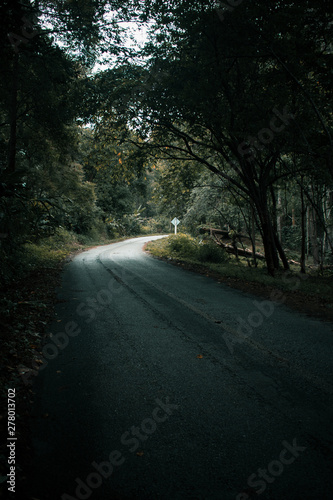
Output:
(117, 116)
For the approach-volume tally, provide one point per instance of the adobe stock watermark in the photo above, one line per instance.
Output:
(87, 309)
(266, 135)
(263, 309)
(222, 8)
(28, 31)
(132, 439)
(275, 468)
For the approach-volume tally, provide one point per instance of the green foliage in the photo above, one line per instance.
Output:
(182, 245)
(132, 224)
(151, 225)
(121, 178)
(210, 252)
(60, 238)
(292, 237)
(50, 251)
(173, 184)
(185, 246)
(18, 260)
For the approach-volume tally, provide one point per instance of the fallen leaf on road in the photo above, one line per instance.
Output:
(200, 356)
(139, 453)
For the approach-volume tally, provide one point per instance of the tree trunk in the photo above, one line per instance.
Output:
(293, 218)
(253, 237)
(313, 237)
(303, 220)
(279, 221)
(327, 218)
(272, 259)
(267, 230)
(13, 117)
(330, 217)
(308, 232)
(274, 210)
(275, 231)
(323, 251)
(281, 253)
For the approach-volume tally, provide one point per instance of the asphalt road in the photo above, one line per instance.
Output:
(159, 383)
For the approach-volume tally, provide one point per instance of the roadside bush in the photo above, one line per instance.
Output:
(131, 224)
(113, 228)
(97, 234)
(60, 238)
(183, 245)
(210, 252)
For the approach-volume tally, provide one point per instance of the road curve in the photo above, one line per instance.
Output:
(158, 383)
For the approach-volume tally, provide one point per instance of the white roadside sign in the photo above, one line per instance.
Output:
(175, 222)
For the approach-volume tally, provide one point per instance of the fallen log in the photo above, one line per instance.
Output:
(222, 232)
(242, 252)
(229, 248)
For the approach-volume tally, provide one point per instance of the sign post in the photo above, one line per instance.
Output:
(175, 222)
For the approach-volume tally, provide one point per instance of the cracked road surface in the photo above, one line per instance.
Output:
(159, 383)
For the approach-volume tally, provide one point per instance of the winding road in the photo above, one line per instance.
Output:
(159, 383)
